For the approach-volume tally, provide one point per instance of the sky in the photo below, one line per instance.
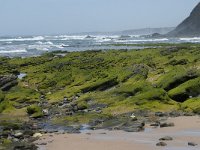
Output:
(38, 17)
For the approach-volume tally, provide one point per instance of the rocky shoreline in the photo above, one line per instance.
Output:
(19, 136)
(172, 137)
(116, 90)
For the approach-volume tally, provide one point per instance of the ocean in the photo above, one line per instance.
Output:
(36, 45)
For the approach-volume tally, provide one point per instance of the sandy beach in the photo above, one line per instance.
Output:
(186, 129)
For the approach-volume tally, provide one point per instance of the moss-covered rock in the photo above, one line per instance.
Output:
(186, 90)
(121, 80)
(35, 111)
(2, 96)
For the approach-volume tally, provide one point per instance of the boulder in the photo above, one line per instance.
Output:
(7, 81)
(166, 138)
(161, 114)
(192, 144)
(37, 135)
(24, 146)
(18, 135)
(161, 144)
(165, 124)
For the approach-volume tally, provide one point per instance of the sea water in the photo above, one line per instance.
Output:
(36, 45)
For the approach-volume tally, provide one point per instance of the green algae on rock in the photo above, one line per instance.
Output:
(157, 79)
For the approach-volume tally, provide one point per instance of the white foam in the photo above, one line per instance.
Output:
(39, 47)
(44, 43)
(13, 51)
(194, 39)
(142, 40)
(9, 42)
(105, 38)
(36, 38)
(70, 37)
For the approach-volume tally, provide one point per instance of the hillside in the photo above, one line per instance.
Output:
(190, 27)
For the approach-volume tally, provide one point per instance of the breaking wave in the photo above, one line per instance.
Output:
(13, 51)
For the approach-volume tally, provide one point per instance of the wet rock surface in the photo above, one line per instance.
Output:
(192, 144)
(166, 138)
(7, 81)
(161, 144)
(165, 124)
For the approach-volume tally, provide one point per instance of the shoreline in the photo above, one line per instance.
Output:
(186, 129)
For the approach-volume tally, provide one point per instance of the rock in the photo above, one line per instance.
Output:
(24, 146)
(135, 127)
(166, 138)
(132, 129)
(133, 117)
(41, 143)
(156, 124)
(192, 144)
(18, 135)
(161, 114)
(7, 81)
(162, 125)
(175, 114)
(42, 97)
(45, 112)
(69, 113)
(37, 135)
(161, 144)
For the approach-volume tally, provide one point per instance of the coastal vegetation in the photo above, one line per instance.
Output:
(98, 88)
(163, 78)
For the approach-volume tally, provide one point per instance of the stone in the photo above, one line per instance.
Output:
(25, 146)
(41, 143)
(37, 135)
(18, 135)
(192, 144)
(7, 81)
(171, 124)
(133, 117)
(45, 112)
(135, 127)
(161, 144)
(156, 124)
(166, 138)
(160, 114)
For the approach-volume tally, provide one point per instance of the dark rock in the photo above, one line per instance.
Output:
(175, 62)
(102, 86)
(18, 135)
(192, 144)
(166, 138)
(162, 125)
(73, 130)
(156, 35)
(41, 143)
(161, 114)
(141, 69)
(161, 144)
(96, 122)
(7, 82)
(156, 124)
(175, 114)
(24, 146)
(134, 127)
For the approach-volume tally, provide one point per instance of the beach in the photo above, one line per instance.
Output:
(186, 129)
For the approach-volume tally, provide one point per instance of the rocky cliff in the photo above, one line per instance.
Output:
(190, 26)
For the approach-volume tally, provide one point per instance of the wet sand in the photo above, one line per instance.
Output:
(186, 129)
